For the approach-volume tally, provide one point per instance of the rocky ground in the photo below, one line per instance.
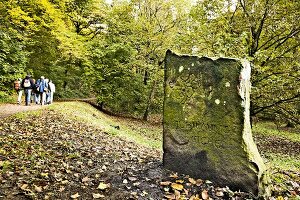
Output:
(49, 156)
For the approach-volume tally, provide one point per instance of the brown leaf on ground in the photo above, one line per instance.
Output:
(204, 194)
(177, 186)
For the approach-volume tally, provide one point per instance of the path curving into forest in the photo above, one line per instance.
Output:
(10, 109)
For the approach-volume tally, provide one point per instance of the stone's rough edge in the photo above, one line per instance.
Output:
(246, 71)
(249, 144)
(198, 56)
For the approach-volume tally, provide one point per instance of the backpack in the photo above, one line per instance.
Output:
(27, 83)
(17, 85)
(37, 85)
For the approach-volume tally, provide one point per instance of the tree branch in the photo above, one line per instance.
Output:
(283, 39)
(257, 33)
(260, 109)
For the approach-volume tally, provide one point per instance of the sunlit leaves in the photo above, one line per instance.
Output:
(103, 186)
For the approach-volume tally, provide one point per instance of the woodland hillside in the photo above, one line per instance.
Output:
(114, 51)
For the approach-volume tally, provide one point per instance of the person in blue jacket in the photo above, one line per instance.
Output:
(42, 88)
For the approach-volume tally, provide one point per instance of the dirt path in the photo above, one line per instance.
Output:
(9, 109)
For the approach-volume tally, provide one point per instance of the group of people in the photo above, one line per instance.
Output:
(39, 91)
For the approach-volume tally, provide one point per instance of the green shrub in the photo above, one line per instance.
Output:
(6, 98)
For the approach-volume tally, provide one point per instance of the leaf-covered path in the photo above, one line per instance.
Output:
(50, 156)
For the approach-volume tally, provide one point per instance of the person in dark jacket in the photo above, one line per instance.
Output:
(27, 84)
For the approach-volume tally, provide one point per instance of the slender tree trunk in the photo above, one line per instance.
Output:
(65, 82)
(101, 105)
(150, 98)
(146, 77)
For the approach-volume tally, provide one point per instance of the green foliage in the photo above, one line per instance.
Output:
(6, 98)
(13, 57)
(265, 32)
(127, 58)
(116, 52)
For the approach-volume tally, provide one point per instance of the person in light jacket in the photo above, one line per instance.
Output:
(52, 90)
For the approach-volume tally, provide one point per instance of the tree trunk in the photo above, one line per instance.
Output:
(65, 82)
(150, 98)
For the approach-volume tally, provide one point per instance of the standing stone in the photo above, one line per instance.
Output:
(207, 132)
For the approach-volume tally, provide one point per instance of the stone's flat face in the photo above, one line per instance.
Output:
(206, 121)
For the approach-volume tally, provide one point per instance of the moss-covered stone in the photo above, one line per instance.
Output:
(207, 131)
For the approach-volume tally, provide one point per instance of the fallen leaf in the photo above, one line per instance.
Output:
(90, 163)
(44, 175)
(136, 184)
(204, 194)
(194, 197)
(64, 182)
(177, 194)
(61, 189)
(97, 196)
(165, 183)
(75, 196)
(199, 182)
(128, 187)
(134, 193)
(144, 193)
(170, 196)
(174, 175)
(38, 189)
(219, 193)
(132, 178)
(179, 181)
(192, 181)
(177, 186)
(186, 192)
(103, 186)
(86, 179)
(24, 186)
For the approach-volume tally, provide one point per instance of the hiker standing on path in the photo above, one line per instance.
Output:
(19, 90)
(52, 90)
(27, 84)
(42, 89)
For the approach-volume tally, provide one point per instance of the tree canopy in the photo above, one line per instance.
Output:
(116, 51)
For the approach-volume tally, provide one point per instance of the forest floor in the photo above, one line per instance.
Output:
(72, 151)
